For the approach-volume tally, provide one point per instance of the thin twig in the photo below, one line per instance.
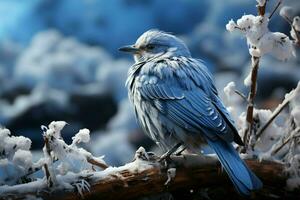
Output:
(48, 176)
(293, 135)
(250, 107)
(241, 95)
(275, 8)
(47, 172)
(274, 115)
(96, 163)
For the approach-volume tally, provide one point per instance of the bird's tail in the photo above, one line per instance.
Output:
(242, 177)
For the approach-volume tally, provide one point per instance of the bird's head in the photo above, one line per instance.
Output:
(154, 43)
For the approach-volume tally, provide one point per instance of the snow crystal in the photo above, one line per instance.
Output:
(9, 145)
(82, 136)
(4, 133)
(246, 21)
(72, 163)
(23, 158)
(82, 186)
(261, 41)
(282, 46)
(55, 128)
(141, 154)
(15, 157)
(277, 44)
(71, 157)
(230, 26)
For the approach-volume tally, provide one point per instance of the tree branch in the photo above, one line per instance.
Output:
(135, 181)
(250, 106)
(261, 10)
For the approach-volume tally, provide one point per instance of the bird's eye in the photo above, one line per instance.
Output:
(150, 46)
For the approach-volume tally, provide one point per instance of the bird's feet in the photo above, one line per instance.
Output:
(166, 160)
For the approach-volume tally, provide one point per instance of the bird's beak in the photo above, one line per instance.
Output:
(129, 49)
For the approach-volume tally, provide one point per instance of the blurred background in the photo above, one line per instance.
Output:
(59, 61)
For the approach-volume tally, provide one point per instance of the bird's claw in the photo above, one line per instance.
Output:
(166, 158)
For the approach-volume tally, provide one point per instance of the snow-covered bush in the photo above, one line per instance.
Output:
(60, 162)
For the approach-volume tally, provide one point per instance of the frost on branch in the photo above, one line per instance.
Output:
(15, 157)
(82, 136)
(70, 157)
(65, 166)
(231, 26)
(260, 40)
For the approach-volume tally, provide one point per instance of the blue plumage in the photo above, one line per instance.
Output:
(241, 176)
(175, 100)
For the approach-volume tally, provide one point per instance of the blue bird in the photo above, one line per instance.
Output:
(175, 101)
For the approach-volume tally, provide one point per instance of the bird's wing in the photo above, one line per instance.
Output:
(182, 98)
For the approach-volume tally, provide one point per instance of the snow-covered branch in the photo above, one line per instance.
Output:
(61, 162)
(144, 176)
(261, 41)
(71, 172)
